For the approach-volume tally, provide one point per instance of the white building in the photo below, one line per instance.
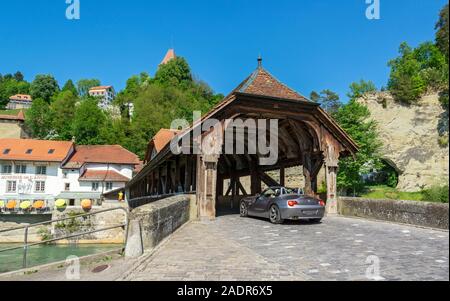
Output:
(105, 94)
(19, 101)
(49, 170)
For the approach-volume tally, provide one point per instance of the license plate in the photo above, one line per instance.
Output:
(310, 212)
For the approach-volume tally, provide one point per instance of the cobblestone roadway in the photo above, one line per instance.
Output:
(234, 248)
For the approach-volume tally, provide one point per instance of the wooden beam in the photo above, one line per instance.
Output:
(230, 187)
(241, 187)
(269, 181)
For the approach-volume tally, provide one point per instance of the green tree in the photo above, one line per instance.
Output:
(70, 86)
(63, 110)
(44, 87)
(354, 118)
(18, 76)
(9, 85)
(405, 82)
(84, 85)
(442, 35)
(176, 72)
(327, 99)
(417, 70)
(156, 106)
(39, 119)
(359, 89)
(133, 87)
(88, 122)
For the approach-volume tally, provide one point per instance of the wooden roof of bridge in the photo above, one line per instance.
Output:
(261, 86)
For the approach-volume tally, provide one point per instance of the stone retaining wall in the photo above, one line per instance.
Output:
(151, 223)
(99, 221)
(434, 215)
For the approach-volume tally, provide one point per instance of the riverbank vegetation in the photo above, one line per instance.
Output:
(436, 194)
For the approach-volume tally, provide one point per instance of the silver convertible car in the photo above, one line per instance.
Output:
(281, 203)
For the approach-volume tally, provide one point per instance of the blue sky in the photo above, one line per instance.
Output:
(307, 44)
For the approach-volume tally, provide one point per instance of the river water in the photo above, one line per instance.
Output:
(43, 254)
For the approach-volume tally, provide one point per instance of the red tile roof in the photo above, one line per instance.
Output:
(170, 55)
(261, 82)
(100, 88)
(163, 137)
(113, 154)
(47, 151)
(21, 97)
(159, 141)
(103, 176)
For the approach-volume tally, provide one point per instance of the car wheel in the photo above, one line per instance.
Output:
(243, 209)
(275, 215)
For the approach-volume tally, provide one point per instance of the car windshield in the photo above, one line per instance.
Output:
(289, 191)
(298, 191)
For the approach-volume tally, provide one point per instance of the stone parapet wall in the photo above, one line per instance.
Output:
(425, 214)
(152, 223)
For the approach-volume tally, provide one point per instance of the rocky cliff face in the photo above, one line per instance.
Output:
(410, 139)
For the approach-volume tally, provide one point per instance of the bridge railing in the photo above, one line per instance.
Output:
(141, 201)
(25, 246)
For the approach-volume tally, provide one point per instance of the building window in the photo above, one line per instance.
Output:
(39, 186)
(71, 202)
(64, 175)
(6, 151)
(6, 169)
(41, 170)
(11, 186)
(67, 187)
(22, 169)
(51, 151)
(94, 186)
(29, 151)
(109, 186)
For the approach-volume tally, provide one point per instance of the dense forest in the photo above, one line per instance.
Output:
(70, 113)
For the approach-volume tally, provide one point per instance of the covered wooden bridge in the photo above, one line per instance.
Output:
(306, 136)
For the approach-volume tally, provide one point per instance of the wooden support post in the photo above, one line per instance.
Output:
(194, 173)
(153, 183)
(206, 187)
(282, 176)
(233, 188)
(178, 187)
(219, 185)
(331, 176)
(332, 150)
(255, 179)
(317, 166)
(162, 182)
(169, 186)
(307, 171)
(188, 175)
